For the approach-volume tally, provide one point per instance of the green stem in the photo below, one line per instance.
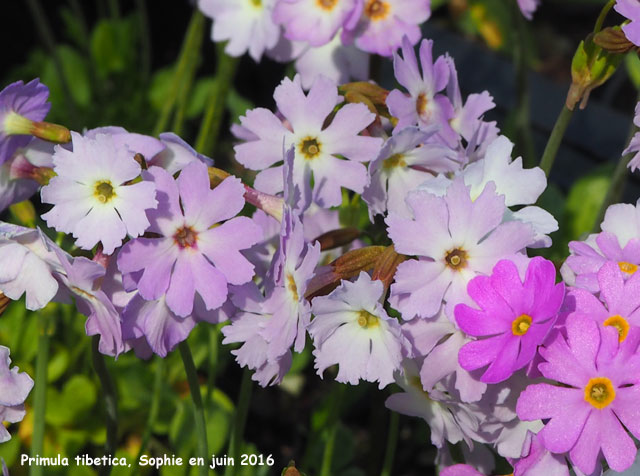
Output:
(40, 393)
(110, 401)
(523, 133)
(603, 15)
(332, 429)
(210, 127)
(190, 49)
(156, 397)
(240, 420)
(392, 442)
(194, 387)
(559, 129)
(214, 335)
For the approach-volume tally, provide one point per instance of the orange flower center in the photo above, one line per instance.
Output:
(366, 320)
(309, 147)
(376, 9)
(628, 268)
(521, 325)
(456, 259)
(327, 4)
(621, 324)
(599, 392)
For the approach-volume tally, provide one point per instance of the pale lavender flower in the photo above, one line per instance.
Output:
(91, 195)
(20, 104)
(536, 459)
(455, 239)
(631, 10)
(448, 419)
(634, 145)
(423, 106)
(246, 24)
(82, 278)
(147, 146)
(20, 176)
(313, 21)
(405, 161)
(336, 61)
(316, 148)
(176, 154)
(14, 389)
(293, 267)
(247, 325)
(382, 24)
(437, 342)
(527, 7)
(352, 329)
(190, 256)
(29, 264)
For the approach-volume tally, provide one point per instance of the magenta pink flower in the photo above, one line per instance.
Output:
(618, 305)
(598, 393)
(514, 317)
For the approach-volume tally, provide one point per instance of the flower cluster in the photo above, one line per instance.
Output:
(329, 37)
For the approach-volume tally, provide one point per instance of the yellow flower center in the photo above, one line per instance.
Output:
(309, 147)
(621, 324)
(256, 3)
(291, 285)
(396, 160)
(415, 382)
(376, 9)
(628, 268)
(327, 4)
(456, 259)
(599, 392)
(521, 325)
(103, 191)
(186, 237)
(366, 320)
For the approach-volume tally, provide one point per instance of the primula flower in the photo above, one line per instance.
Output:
(515, 316)
(383, 24)
(313, 21)
(352, 329)
(254, 311)
(315, 148)
(293, 267)
(405, 161)
(631, 10)
(91, 195)
(455, 238)
(438, 341)
(618, 305)
(336, 61)
(634, 144)
(527, 7)
(599, 392)
(423, 106)
(20, 105)
(25, 171)
(246, 24)
(190, 255)
(14, 389)
(176, 154)
(29, 265)
(82, 279)
(536, 459)
(448, 419)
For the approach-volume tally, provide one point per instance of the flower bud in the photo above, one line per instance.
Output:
(591, 67)
(4, 303)
(15, 124)
(386, 266)
(369, 94)
(613, 40)
(336, 238)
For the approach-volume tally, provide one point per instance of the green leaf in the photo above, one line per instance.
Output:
(160, 86)
(111, 46)
(58, 364)
(584, 200)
